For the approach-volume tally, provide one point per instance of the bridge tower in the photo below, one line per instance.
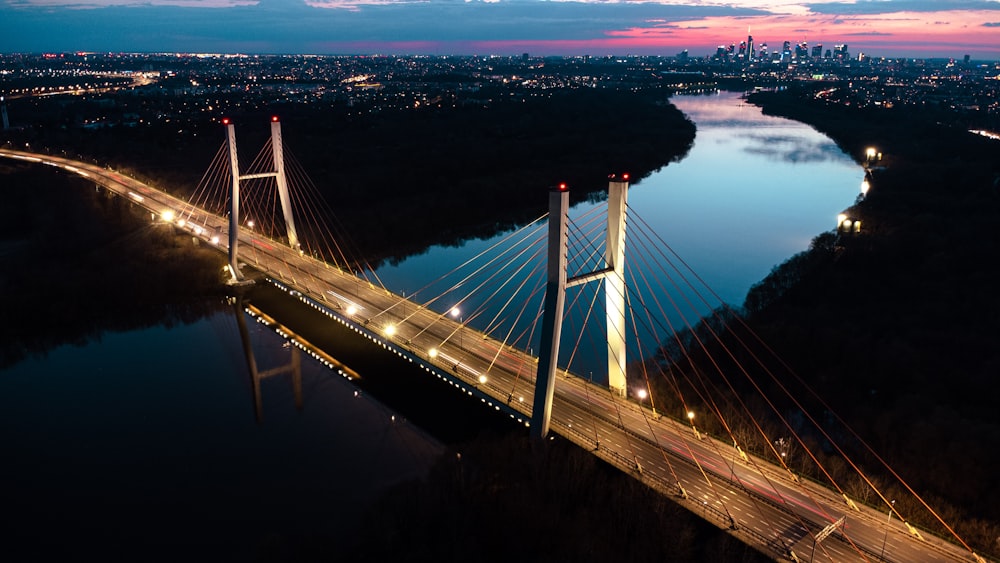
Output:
(278, 158)
(613, 275)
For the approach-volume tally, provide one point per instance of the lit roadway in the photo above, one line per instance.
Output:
(758, 500)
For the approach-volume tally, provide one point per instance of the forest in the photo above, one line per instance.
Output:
(399, 181)
(75, 263)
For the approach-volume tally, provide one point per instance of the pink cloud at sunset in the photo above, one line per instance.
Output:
(892, 28)
(912, 31)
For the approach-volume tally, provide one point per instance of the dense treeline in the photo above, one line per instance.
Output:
(896, 327)
(76, 262)
(399, 181)
(511, 499)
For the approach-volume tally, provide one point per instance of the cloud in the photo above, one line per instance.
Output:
(862, 7)
(85, 4)
(471, 27)
(793, 149)
(991, 24)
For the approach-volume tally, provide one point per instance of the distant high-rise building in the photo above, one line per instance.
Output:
(763, 52)
(817, 51)
(751, 54)
(840, 52)
(683, 55)
(524, 57)
(802, 51)
(965, 59)
(786, 51)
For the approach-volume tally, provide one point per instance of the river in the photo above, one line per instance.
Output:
(149, 438)
(752, 191)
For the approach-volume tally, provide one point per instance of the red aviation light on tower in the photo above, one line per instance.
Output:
(225, 121)
(625, 177)
(274, 119)
(563, 187)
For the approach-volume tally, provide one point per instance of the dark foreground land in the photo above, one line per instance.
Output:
(897, 326)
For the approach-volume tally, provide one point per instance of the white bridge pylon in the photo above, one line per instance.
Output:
(278, 157)
(613, 275)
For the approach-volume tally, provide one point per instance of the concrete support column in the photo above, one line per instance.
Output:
(277, 152)
(614, 285)
(555, 301)
(234, 202)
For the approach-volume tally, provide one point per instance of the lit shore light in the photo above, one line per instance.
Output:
(865, 186)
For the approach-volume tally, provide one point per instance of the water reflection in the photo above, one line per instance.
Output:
(141, 446)
(752, 192)
(293, 367)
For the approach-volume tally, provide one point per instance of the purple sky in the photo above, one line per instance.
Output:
(913, 28)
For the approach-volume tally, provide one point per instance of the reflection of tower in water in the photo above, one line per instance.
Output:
(3, 112)
(294, 366)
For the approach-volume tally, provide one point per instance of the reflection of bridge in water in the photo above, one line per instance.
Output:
(538, 277)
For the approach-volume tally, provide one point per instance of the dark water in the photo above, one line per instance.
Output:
(146, 443)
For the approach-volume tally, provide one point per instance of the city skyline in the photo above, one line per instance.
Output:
(885, 28)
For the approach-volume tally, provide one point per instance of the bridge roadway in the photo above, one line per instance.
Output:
(766, 506)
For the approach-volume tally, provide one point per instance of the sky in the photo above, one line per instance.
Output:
(889, 28)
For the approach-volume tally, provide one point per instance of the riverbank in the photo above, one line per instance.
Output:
(902, 317)
(398, 181)
(78, 262)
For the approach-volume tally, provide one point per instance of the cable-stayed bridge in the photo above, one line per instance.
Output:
(680, 417)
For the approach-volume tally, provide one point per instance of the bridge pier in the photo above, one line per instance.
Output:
(613, 275)
(555, 302)
(234, 203)
(278, 158)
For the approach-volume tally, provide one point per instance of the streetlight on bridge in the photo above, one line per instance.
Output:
(690, 415)
(456, 313)
(888, 520)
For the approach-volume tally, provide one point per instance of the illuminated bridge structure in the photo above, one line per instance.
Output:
(663, 380)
